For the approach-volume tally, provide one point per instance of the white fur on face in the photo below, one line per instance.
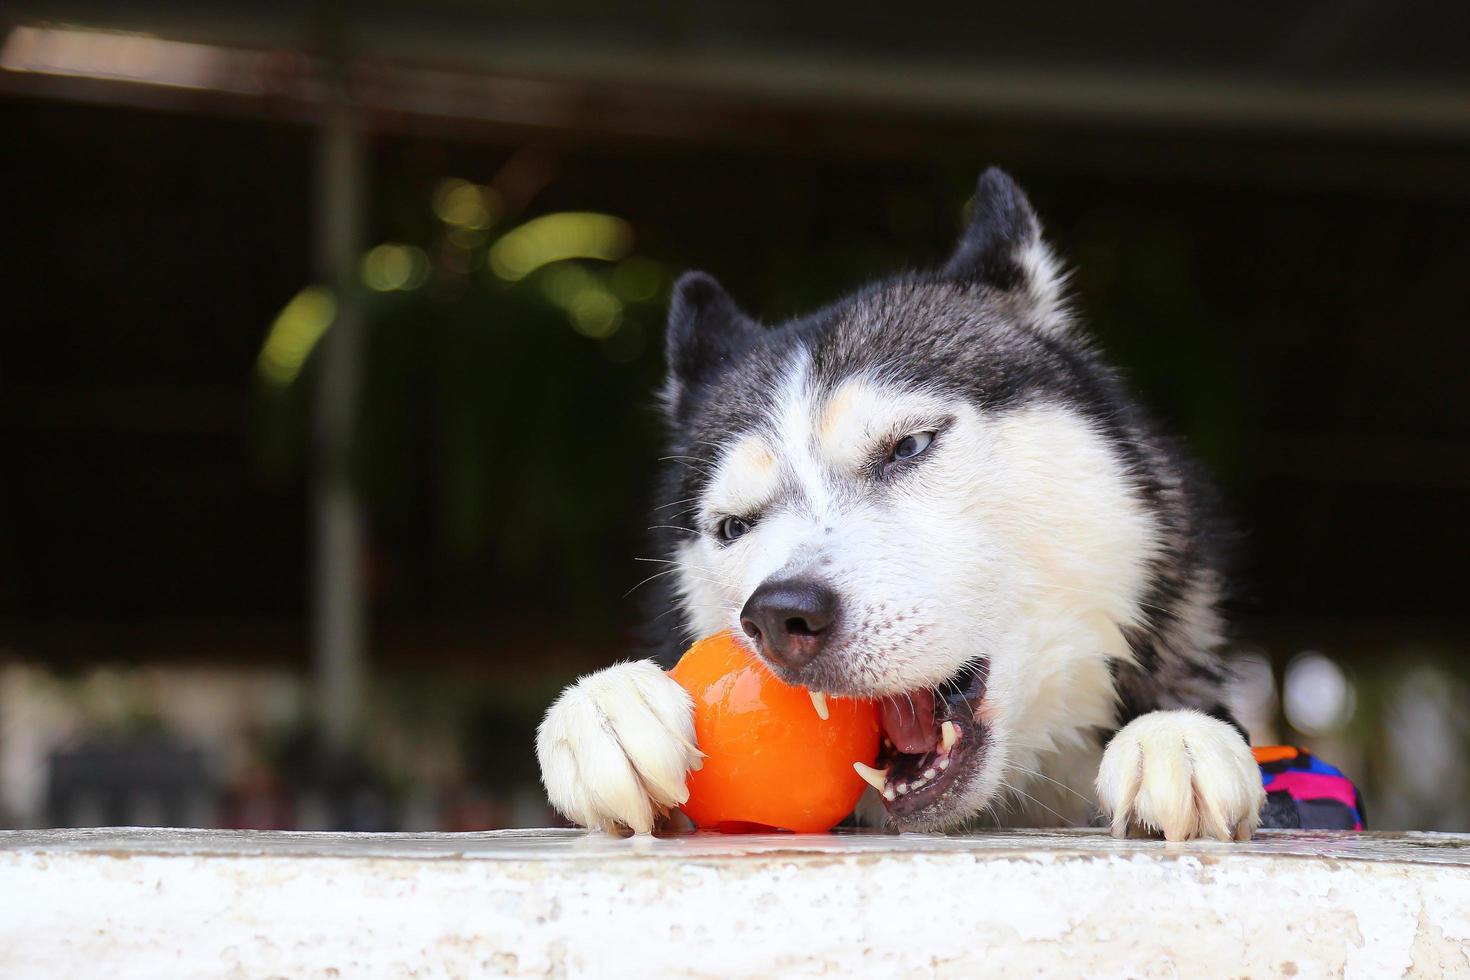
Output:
(1014, 537)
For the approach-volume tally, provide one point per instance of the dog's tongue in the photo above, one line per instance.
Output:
(909, 722)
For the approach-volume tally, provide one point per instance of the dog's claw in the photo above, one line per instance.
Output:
(1181, 774)
(616, 747)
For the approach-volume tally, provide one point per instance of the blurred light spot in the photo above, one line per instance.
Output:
(466, 205)
(637, 280)
(294, 334)
(562, 283)
(1317, 696)
(1253, 695)
(596, 313)
(1426, 730)
(392, 266)
(554, 237)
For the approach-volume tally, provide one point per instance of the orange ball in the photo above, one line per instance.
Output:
(770, 759)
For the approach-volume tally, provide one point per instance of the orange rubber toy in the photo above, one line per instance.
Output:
(771, 760)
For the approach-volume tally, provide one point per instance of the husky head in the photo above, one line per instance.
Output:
(922, 494)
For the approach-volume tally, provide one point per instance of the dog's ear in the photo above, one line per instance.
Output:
(1002, 248)
(706, 330)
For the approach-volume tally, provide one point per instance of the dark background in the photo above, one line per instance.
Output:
(1264, 208)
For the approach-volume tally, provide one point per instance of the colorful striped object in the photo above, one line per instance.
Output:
(1305, 793)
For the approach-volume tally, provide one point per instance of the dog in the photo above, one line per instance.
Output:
(933, 493)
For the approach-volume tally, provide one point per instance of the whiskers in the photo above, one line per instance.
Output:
(698, 464)
(676, 503)
(1010, 788)
(688, 571)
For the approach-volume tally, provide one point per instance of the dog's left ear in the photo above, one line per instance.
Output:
(1002, 248)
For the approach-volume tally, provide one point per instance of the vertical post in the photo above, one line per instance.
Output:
(339, 613)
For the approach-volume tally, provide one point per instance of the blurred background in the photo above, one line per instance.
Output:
(329, 332)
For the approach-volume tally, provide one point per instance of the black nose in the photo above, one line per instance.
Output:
(790, 619)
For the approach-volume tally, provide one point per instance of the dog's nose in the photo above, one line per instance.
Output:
(790, 619)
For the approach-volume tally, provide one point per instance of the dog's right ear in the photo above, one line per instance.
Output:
(1002, 248)
(706, 330)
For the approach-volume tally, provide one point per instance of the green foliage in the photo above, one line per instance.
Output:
(502, 376)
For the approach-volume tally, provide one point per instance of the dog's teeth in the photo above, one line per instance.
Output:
(928, 774)
(944, 763)
(876, 778)
(819, 701)
(903, 788)
(949, 733)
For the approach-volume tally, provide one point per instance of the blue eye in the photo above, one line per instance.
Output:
(732, 528)
(911, 445)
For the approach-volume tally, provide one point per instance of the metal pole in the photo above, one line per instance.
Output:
(339, 610)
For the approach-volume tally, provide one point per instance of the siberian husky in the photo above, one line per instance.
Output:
(933, 492)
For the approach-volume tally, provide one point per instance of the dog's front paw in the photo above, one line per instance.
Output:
(615, 747)
(1183, 773)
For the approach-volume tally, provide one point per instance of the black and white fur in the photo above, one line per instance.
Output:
(1047, 545)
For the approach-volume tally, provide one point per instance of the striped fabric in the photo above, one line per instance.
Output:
(1305, 793)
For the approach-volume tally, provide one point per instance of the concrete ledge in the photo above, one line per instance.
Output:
(153, 903)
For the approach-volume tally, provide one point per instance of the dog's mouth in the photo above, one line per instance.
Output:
(932, 742)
